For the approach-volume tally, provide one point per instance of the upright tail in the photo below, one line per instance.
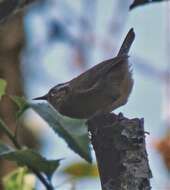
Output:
(127, 43)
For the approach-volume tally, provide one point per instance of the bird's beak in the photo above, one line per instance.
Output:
(45, 97)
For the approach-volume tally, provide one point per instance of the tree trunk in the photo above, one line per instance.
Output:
(11, 43)
(119, 145)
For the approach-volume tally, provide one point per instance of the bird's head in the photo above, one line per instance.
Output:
(56, 94)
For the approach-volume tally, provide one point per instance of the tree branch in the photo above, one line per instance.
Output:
(9, 7)
(119, 145)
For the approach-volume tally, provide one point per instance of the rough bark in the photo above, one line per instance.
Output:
(119, 145)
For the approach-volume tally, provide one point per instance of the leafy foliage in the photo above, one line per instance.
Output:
(73, 131)
(143, 2)
(81, 170)
(19, 179)
(3, 85)
(30, 158)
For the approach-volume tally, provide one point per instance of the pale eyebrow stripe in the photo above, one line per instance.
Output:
(62, 85)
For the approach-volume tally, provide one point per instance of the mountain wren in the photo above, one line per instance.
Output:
(104, 87)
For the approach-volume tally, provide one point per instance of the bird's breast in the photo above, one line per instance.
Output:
(83, 106)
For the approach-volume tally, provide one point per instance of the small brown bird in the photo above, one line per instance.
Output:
(104, 87)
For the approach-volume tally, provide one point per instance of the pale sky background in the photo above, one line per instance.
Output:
(146, 101)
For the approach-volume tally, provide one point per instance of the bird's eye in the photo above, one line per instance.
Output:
(58, 93)
(65, 90)
(53, 92)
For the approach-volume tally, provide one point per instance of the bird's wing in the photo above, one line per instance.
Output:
(90, 80)
(106, 82)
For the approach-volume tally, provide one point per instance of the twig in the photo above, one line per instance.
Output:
(9, 134)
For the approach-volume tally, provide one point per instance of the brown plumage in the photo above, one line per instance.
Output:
(104, 87)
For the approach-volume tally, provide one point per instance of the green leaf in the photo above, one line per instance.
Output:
(3, 85)
(81, 170)
(19, 179)
(21, 103)
(143, 2)
(73, 131)
(32, 159)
